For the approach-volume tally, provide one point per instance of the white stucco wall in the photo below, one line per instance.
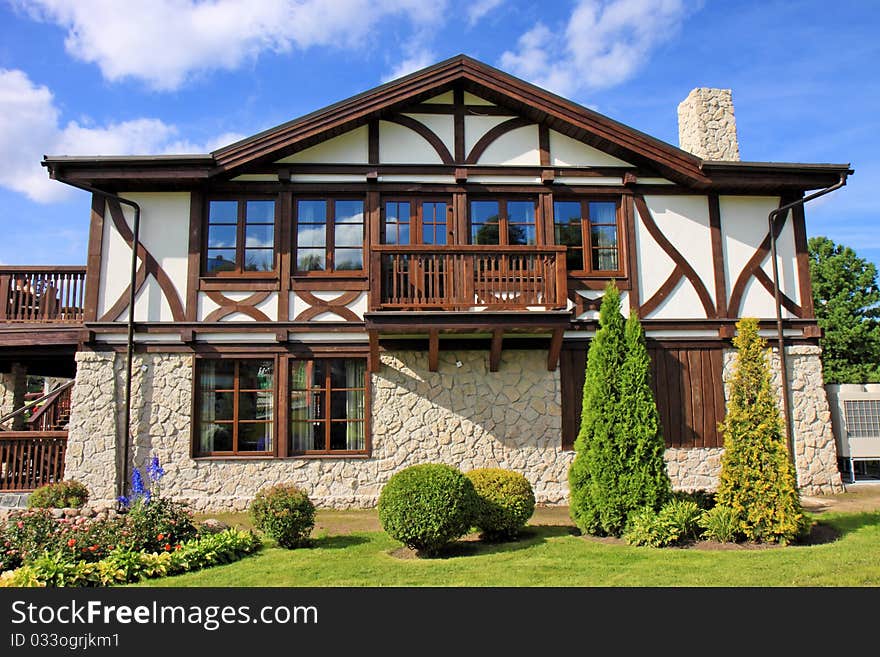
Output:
(568, 152)
(400, 145)
(442, 125)
(684, 221)
(477, 126)
(517, 147)
(743, 227)
(164, 232)
(348, 148)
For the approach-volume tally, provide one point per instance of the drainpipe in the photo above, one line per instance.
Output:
(122, 474)
(783, 367)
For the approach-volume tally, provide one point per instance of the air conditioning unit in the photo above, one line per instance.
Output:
(855, 417)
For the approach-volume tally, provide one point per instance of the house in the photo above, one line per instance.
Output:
(409, 275)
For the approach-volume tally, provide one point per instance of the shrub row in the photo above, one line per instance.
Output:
(124, 564)
(428, 506)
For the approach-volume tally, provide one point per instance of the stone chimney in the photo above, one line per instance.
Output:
(706, 125)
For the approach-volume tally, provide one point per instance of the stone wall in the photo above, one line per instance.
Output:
(464, 416)
(814, 445)
(707, 126)
(91, 434)
(693, 469)
(472, 418)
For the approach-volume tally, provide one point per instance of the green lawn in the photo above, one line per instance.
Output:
(549, 555)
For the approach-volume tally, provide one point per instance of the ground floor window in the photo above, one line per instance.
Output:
(239, 408)
(235, 407)
(327, 405)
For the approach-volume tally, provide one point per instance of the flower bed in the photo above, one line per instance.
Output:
(152, 537)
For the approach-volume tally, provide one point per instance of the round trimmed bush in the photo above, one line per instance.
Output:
(427, 506)
(506, 502)
(62, 494)
(284, 513)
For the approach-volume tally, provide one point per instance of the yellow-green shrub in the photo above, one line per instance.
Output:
(506, 502)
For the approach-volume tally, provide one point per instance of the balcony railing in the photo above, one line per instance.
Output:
(42, 294)
(468, 277)
(30, 459)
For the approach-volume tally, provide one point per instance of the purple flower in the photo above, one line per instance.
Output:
(154, 471)
(137, 482)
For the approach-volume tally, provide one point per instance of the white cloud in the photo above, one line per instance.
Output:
(604, 43)
(413, 62)
(30, 127)
(164, 42)
(479, 8)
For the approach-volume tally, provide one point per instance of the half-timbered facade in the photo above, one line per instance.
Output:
(413, 274)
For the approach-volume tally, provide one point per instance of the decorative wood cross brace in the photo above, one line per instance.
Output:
(335, 306)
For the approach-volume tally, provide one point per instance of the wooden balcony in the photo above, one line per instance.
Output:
(472, 277)
(42, 295)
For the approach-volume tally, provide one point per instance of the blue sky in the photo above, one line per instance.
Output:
(156, 76)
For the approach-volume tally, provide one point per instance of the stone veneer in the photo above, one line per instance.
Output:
(707, 126)
(465, 416)
(814, 445)
(693, 469)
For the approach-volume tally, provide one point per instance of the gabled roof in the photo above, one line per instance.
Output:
(459, 72)
(483, 80)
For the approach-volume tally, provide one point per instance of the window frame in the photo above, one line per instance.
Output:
(416, 216)
(503, 217)
(241, 220)
(327, 392)
(586, 247)
(281, 432)
(329, 237)
(196, 415)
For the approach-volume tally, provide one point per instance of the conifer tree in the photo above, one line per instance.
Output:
(644, 481)
(619, 465)
(595, 437)
(757, 477)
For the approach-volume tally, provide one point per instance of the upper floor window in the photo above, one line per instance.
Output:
(329, 235)
(414, 221)
(503, 221)
(591, 231)
(241, 236)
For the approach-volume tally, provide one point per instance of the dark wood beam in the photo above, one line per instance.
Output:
(555, 348)
(93, 263)
(433, 350)
(374, 362)
(495, 349)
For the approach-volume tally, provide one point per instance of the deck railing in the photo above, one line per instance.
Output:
(465, 277)
(30, 459)
(42, 294)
